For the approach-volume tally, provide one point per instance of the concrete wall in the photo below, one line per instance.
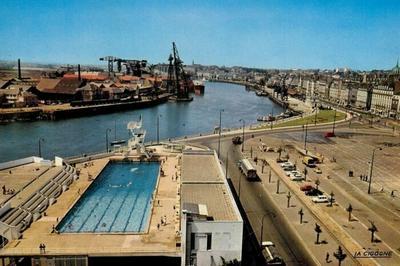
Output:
(226, 241)
(19, 162)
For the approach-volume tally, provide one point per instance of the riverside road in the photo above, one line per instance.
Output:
(257, 203)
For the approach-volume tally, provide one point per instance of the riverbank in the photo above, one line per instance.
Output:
(65, 111)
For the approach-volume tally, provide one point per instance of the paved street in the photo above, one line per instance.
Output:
(350, 150)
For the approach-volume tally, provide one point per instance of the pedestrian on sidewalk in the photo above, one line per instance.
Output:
(327, 257)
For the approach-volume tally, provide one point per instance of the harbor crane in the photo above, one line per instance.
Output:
(110, 60)
(177, 82)
(133, 67)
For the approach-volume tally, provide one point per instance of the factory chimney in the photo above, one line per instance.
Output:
(19, 69)
(79, 72)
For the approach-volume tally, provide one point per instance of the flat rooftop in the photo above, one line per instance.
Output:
(204, 183)
(162, 240)
(18, 177)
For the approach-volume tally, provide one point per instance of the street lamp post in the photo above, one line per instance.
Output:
(305, 138)
(219, 131)
(334, 123)
(301, 213)
(277, 186)
(40, 146)
(262, 228)
(107, 130)
(269, 175)
(315, 117)
(158, 128)
(371, 168)
(240, 180)
(288, 199)
(244, 125)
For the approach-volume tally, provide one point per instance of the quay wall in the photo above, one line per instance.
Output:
(257, 88)
(21, 115)
(73, 112)
(101, 109)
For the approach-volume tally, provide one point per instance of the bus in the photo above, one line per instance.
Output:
(309, 161)
(248, 169)
(270, 254)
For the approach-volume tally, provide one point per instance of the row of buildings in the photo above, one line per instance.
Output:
(85, 86)
(377, 93)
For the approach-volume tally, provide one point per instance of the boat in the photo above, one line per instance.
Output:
(262, 93)
(266, 118)
(115, 141)
(198, 87)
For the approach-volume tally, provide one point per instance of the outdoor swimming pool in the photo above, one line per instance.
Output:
(119, 200)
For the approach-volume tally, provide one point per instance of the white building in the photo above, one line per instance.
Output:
(211, 225)
(381, 101)
(363, 98)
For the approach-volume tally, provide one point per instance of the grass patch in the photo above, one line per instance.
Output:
(323, 116)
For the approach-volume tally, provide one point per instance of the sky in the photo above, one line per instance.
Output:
(362, 35)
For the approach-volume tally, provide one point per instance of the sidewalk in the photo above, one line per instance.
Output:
(335, 220)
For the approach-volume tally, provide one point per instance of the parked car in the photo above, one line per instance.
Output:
(321, 199)
(314, 192)
(296, 176)
(286, 164)
(236, 140)
(306, 187)
(318, 170)
(281, 159)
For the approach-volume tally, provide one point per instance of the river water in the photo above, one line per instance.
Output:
(88, 134)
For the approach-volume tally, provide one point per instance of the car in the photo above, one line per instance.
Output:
(236, 140)
(286, 164)
(281, 160)
(306, 187)
(318, 170)
(289, 168)
(296, 176)
(314, 192)
(321, 199)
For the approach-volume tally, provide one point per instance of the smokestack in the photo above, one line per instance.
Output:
(79, 71)
(19, 69)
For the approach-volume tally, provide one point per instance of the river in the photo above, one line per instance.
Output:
(88, 134)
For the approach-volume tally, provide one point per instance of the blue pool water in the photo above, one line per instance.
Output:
(119, 200)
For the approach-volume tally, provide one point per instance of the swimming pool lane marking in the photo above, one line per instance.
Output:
(134, 206)
(96, 190)
(119, 209)
(105, 211)
(78, 209)
(147, 204)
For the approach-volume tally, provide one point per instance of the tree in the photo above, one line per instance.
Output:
(318, 230)
(331, 199)
(339, 255)
(349, 210)
(373, 229)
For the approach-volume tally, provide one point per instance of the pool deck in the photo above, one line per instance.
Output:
(156, 242)
(17, 178)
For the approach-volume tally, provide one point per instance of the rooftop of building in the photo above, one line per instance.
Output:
(204, 184)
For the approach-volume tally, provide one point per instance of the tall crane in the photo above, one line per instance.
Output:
(110, 60)
(176, 74)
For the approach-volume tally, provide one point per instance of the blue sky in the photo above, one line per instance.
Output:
(266, 34)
